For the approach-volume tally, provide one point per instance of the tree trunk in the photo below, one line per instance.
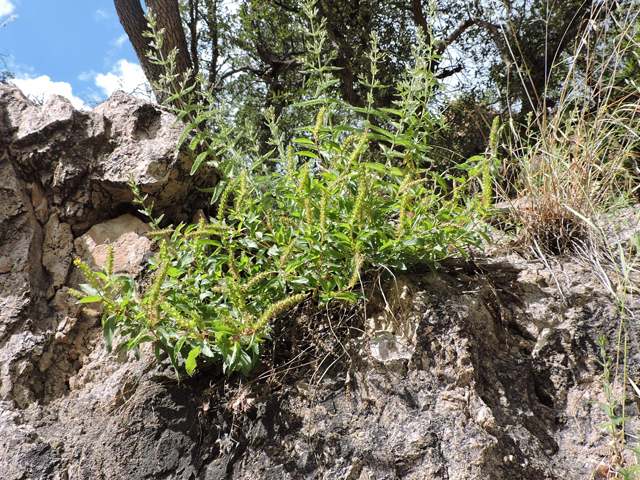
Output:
(131, 17)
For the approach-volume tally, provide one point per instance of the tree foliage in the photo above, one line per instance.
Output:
(511, 55)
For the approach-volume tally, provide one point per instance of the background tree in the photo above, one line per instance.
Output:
(132, 18)
(508, 56)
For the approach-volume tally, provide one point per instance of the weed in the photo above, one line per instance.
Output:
(579, 159)
(345, 198)
(617, 464)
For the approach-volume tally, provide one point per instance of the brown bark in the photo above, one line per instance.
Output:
(418, 16)
(193, 31)
(131, 17)
(343, 54)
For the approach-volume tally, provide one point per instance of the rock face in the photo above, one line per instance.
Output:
(126, 235)
(61, 172)
(77, 164)
(491, 375)
(486, 370)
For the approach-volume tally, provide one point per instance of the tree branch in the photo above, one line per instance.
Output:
(447, 72)
(442, 45)
(343, 52)
(246, 68)
(286, 7)
(418, 16)
(211, 18)
(496, 31)
(193, 31)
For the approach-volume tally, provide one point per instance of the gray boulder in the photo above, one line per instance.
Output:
(63, 171)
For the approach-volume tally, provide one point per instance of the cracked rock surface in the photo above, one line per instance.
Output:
(477, 394)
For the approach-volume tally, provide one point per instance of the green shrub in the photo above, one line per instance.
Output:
(345, 198)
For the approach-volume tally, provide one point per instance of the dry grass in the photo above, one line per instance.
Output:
(581, 158)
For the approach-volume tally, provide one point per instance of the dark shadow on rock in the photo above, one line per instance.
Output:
(148, 121)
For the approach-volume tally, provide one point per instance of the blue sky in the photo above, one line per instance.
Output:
(74, 48)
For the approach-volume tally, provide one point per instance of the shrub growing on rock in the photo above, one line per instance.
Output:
(308, 220)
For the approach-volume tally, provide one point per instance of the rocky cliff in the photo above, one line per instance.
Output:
(61, 172)
(487, 369)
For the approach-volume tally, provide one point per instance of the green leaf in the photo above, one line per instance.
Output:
(109, 326)
(411, 242)
(89, 299)
(174, 272)
(206, 241)
(376, 166)
(207, 352)
(89, 290)
(398, 265)
(346, 128)
(386, 246)
(330, 145)
(299, 280)
(382, 131)
(306, 103)
(438, 178)
(246, 363)
(326, 286)
(174, 359)
(304, 140)
(348, 296)
(342, 236)
(307, 153)
(180, 344)
(198, 161)
(191, 364)
(248, 243)
(185, 260)
(217, 191)
(234, 355)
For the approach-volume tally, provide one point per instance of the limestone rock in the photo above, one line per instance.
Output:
(126, 235)
(477, 396)
(78, 164)
(56, 252)
(22, 285)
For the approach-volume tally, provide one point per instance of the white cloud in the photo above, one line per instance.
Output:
(99, 15)
(118, 42)
(125, 76)
(84, 76)
(6, 7)
(41, 88)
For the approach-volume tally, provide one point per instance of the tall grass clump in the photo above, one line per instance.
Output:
(307, 222)
(581, 157)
